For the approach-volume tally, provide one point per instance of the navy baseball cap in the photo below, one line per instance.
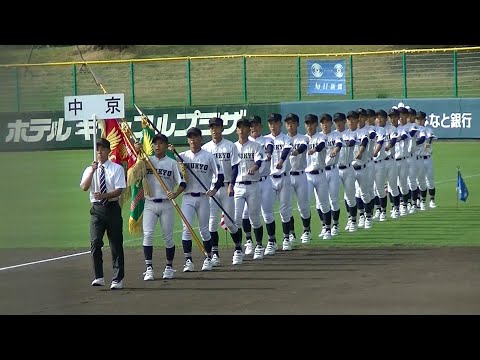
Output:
(421, 115)
(243, 122)
(215, 121)
(194, 131)
(161, 138)
(371, 112)
(325, 116)
(412, 111)
(339, 116)
(292, 116)
(255, 119)
(402, 110)
(311, 118)
(104, 143)
(274, 117)
(381, 113)
(353, 114)
(393, 112)
(361, 112)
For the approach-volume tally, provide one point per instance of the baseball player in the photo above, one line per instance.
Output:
(345, 169)
(298, 178)
(317, 181)
(195, 199)
(226, 154)
(412, 160)
(401, 154)
(379, 162)
(265, 185)
(333, 146)
(360, 163)
(390, 164)
(246, 179)
(426, 166)
(158, 206)
(372, 144)
(281, 185)
(363, 169)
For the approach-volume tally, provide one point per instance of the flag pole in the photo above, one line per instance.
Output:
(95, 150)
(458, 187)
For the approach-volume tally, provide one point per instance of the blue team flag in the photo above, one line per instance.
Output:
(461, 187)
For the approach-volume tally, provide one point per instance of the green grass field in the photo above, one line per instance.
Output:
(43, 205)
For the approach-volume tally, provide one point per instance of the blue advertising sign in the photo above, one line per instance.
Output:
(326, 77)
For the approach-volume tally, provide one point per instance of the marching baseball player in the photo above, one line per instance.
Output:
(246, 179)
(265, 185)
(195, 199)
(390, 164)
(415, 136)
(317, 181)
(282, 187)
(345, 169)
(360, 163)
(426, 166)
(298, 178)
(333, 146)
(158, 206)
(401, 154)
(379, 161)
(226, 154)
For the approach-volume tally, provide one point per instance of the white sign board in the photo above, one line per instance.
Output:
(105, 106)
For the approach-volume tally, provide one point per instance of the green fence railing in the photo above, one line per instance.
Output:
(243, 79)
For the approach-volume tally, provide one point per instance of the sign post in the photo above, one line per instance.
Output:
(104, 106)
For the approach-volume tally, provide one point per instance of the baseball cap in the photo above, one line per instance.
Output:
(104, 143)
(421, 115)
(243, 122)
(361, 112)
(381, 113)
(371, 112)
(339, 116)
(311, 118)
(160, 137)
(292, 116)
(402, 110)
(412, 111)
(274, 117)
(325, 116)
(255, 119)
(353, 114)
(194, 131)
(393, 112)
(215, 121)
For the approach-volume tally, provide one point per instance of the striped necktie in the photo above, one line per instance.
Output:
(103, 184)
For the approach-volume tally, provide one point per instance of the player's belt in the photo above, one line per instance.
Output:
(402, 158)
(387, 158)
(263, 178)
(315, 172)
(342, 167)
(158, 200)
(195, 194)
(295, 173)
(426, 156)
(377, 161)
(359, 167)
(279, 176)
(246, 182)
(329, 167)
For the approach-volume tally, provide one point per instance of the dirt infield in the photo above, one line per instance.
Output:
(304, 281)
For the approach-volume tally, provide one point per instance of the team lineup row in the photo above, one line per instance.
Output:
(371, 153)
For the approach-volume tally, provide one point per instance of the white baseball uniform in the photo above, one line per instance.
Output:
(226, 154)
(333, 139)
(298, 178)
(157, 205)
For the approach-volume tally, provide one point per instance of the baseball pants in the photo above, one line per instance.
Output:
(247, 195)
(347, 177)
(299, 184)
(200, 206)
(228, 203)
(152, 212)
(333, 181)
(265, 192)
(317, 184)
